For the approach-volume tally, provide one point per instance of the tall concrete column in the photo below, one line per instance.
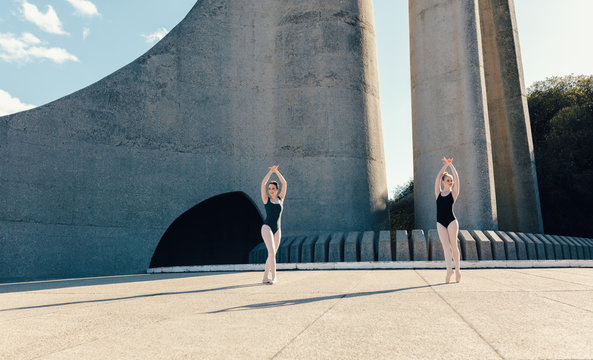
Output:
(449, 109)
(517, 195)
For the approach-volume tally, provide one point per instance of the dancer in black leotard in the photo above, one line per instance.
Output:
(447, 224)
(270, 230)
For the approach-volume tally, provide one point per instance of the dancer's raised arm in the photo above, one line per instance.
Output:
(455, 189)
(264, 191)
(437, 181)
(283, 182)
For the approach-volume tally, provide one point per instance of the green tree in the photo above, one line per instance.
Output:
(561, 112)
(401, 207)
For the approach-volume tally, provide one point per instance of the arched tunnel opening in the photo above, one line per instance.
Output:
(219, 230)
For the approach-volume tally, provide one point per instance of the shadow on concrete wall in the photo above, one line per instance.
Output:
(219, 230)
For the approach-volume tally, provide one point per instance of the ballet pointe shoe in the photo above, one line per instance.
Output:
(448, 277)
(458, 276)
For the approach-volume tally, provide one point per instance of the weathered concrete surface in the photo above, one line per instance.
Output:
(529, 244)
(517, 196)
(402, 246)
(385, 246)
(483, 245)
(468, 249)
(90, 182)
(352, 246)
(397, 314)
(511, 249)
(308, 248)
(367, 246)
(419, 249)
(435, 247)
(322, 248)
(498, 250)
(449, 110)
(295, 249)
(336, 247)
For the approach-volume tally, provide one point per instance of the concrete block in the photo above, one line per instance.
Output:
(586, 252)
(540, 246)
(529, 245)
(322, 248)
(283, 253)
(367, 246)
(435, 248)
(352, 246)
(402, 246)
(498, 249)
(469, 250)
(482, 245)
(307, 249)
(580, 247)
(574, 254)
(254, 257)
(419, 250)
(588, 243)
(552, 246)
(336, 247)
(295, 249)
(510, 247)
(564, 245)
(384, 246)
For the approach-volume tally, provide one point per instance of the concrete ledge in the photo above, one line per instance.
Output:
(483, 245)
(484, 264)
(352, 246)
(384, 246)
(419, 251)
(336, 247)
(498, 250)
(322, 248)
(367, 246)
(435, 248)
(468, 246)
(402, 246)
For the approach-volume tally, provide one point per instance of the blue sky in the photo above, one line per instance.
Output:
(51, 48)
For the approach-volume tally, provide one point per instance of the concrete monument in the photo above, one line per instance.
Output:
(90, 182)
(468, 102)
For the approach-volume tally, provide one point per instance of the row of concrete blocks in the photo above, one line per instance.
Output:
(415, 246)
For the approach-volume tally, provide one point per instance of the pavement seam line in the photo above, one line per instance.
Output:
(461, 316)
(314, 321)
(551, 278)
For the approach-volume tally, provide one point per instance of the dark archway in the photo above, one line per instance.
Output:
(219, 230)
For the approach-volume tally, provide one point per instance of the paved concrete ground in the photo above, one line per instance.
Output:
(492, 313)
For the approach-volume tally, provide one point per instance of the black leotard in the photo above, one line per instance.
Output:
(273, 213)
(445, 213)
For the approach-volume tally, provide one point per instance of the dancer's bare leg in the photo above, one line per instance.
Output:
(266, 234)
(444, 237)
(453, 229)
(277, 237)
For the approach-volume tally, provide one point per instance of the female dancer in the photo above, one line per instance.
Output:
(447, 224)
(270, 230)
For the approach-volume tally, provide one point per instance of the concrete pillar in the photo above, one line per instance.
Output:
(449, 110)
(517, 197)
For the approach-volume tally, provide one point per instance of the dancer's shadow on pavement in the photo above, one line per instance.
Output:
(271, 304)
(132, 297)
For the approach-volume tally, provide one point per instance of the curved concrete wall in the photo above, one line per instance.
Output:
(90, 182)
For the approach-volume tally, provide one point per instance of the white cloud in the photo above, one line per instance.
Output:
(84, 7)
(48, 21)
(157, 35)
(11, 105)
(85, 33)
(27, 47)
